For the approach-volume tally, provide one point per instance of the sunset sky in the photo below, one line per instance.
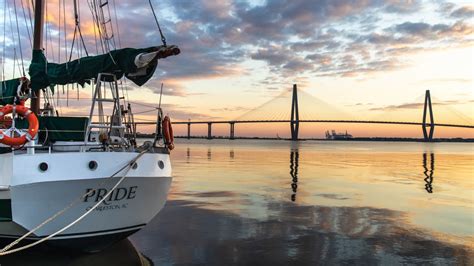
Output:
(360, 59)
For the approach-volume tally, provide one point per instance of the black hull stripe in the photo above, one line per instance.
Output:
(134, 227)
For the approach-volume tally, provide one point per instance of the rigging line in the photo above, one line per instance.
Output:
(111, 27)
(142, 104)
(72, 45)
(49, 37)
(59, 33)
(95, 17)
(161, 95)
(77, 29)
(116, 24)
(29, 13)
(4, 38)
(143, 112)
(45, 39)
(19, 39)
(14, 61)
(65, 33)
(26, 24)
(94, 22)
(102, 43)
(78, 17)
(101, 30)
(163, 39)
(12, 31)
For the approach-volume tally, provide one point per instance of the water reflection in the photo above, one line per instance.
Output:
(121, 253)
(357, 204)
(294, 164)
(188, 233)
(429, 171)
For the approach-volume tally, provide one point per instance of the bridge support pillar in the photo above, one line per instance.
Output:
(209, 130)
(232, 130)
(189, 130)
(295, 116)
(428, 136)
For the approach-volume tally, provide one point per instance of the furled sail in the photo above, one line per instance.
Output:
(138, 65)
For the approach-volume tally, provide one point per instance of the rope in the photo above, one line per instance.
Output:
(29, 14)
(6, 250)
(163, 39)
(117, 25)
(59, 34)
(77, 29)
(147, 111)
(45, 28)
(49, 37)
(4, 38)
(19, 39)
(12, 31)
(26, 24)
(95, 27)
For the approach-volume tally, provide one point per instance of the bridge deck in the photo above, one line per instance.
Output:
(311, 121)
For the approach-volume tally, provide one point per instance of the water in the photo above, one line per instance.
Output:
(307, 203)
(283, 203)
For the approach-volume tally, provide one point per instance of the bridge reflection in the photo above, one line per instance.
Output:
(428, 171)
(294, 164)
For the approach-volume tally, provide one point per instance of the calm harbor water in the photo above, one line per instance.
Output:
(307, 203)
(283, 203)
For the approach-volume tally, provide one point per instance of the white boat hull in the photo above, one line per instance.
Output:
(37, 195)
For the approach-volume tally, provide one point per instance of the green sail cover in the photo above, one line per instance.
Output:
(8, 91)
(54, 128)
(44, 74)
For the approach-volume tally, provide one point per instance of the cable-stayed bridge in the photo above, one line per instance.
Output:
(269, 113)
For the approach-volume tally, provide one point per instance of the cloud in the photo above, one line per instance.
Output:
(282, 60)
(170, 87)
(417, 105)
(463, 12)
(296, 39)
(230, 109)
(437, 81)
(402, 6)
(432, 32)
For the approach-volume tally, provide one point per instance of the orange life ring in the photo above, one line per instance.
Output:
(168, 133)
(33, 125)
(5, 122)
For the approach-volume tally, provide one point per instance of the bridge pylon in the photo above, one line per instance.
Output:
(232, 130)
(209, 130)
(189, 128)
(295, 115)
(428, 107)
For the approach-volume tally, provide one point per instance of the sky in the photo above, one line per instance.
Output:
(360, 59)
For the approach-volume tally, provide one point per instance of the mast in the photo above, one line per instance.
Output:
(37, 45)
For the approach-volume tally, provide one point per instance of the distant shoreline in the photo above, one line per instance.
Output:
(461, 140)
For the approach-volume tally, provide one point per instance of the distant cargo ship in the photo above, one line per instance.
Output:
(334, 135)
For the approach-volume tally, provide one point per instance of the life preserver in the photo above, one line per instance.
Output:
(5, 122)
(168, 133)
(33, 125)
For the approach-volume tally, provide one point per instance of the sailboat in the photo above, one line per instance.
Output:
(79, 182)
